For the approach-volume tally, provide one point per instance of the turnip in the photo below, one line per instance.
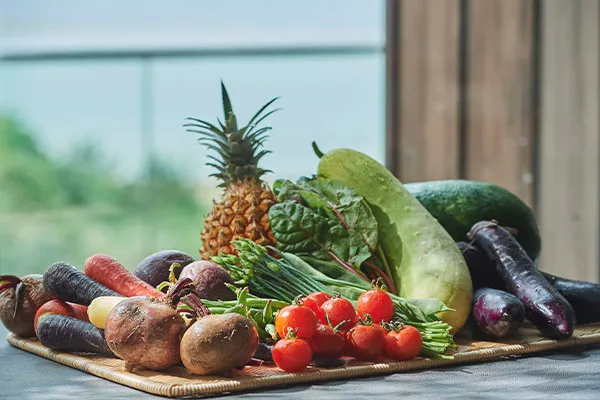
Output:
(146, 331)
(210, 279)
(19, 301)
(216, 344)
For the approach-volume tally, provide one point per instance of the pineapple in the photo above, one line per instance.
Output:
(243, 211)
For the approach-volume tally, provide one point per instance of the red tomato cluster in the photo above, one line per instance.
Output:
(330, 326)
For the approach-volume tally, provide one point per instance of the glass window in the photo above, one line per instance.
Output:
(94, 155)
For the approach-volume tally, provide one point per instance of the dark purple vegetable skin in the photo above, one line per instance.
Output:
(154, 269)
(264, 352)
(545, 307)
(583, 296)
(210, 279)
(498, 314)
(67, 283)
(482, 268)
(60, 332)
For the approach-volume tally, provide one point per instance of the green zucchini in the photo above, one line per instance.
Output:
(425, 261)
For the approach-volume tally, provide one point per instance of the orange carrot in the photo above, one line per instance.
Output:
(63, 308)
(110, 273)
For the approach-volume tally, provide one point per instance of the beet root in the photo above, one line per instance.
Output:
(210, 280)
(145, 332)
(19, 301)
(216, 344)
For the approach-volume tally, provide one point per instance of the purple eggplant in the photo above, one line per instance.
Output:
(583, 296)
(498, 314)
(545, 307)
(482, 269)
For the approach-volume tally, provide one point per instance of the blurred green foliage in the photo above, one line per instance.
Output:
(70, 208)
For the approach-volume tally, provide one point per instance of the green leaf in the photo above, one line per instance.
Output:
(353, 227)
(333, 191)
(301, 230)
(430, 307)
(348, 245)
(298, 229)
(263, 108)
(360, 219)
(227, 108)
(333, 270)
(420, 309)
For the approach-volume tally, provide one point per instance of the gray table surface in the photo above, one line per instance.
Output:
(565, 375)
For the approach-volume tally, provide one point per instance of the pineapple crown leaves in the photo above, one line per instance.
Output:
(238, 149)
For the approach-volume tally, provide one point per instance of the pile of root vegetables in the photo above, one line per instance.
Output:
(107, 310)
(175, 310)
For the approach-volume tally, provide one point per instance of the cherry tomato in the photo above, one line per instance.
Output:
(314, 302)
(301, 320)
(403, 345)
(339, 310)
(327, 342)
(319, 297)
(377, 303)
(366, 342)
(292, 355)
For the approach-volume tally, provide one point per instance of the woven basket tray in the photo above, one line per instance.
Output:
(177, 382)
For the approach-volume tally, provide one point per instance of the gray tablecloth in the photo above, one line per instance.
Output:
(564, 375)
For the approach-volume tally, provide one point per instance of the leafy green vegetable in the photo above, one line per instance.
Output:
(261, 312)
(283, 279)
(324, 219)
(300, 230)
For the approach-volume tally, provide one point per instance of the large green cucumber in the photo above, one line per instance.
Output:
(458, 204)
(425, 261)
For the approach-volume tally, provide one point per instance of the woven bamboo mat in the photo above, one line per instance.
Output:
(177, 382)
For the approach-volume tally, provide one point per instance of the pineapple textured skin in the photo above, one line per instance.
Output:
(243, 213)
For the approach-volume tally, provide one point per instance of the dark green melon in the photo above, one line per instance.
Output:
(458, 204)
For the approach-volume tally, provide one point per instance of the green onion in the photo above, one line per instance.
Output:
(287, 277)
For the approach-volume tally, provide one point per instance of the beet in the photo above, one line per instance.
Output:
(154, 269)
(216, 344)
(20, 300)
(146, 331)
(210, 279)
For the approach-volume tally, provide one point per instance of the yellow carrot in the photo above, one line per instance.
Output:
(99, 309)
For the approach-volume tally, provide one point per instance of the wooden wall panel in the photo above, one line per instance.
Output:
(428, 144)
(500, 97)
(569, 145)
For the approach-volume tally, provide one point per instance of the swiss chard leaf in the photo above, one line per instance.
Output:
(298, 229)
(337, 202)
(360, 218)
(301, 230)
